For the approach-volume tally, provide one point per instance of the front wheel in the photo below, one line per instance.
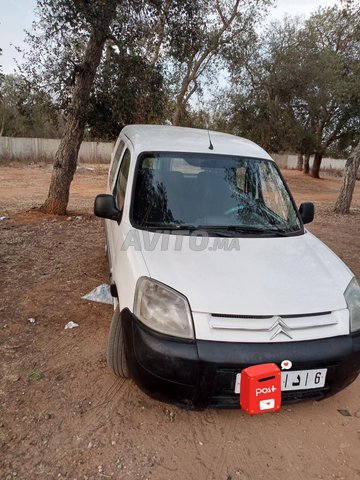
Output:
(115, 354)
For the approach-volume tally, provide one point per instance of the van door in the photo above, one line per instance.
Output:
(118, 191)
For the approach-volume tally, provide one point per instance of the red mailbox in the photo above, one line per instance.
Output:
(260, 388)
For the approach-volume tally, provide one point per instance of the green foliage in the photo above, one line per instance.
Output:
(25, 112)
(127, 90)
(295, 87)
(1, 81)
(299, 89)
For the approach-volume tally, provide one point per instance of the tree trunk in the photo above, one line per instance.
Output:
(161, 34)
(65, 161)
(2, 128)
(178, 114)
(300, 162)
(343, 202)
(180, 99)
(315, 171)
(307, 164)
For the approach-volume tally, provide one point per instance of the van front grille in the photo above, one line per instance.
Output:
(298, 315)
(280, 328)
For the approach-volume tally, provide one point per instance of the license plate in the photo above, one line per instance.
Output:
(297, 380)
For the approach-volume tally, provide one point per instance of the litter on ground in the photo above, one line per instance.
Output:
(100, 294)
(71, 325)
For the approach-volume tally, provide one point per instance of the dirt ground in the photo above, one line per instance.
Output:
(63, 415)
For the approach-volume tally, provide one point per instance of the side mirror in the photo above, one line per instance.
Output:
(105, 207)
(307, 212)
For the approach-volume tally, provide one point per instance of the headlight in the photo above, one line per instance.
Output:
(352, 297)
(163, 309)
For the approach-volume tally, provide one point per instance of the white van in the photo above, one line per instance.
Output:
(212, 271)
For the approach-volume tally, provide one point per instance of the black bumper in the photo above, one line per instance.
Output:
(200, 374)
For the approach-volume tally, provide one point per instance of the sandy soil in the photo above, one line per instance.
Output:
(62, 413)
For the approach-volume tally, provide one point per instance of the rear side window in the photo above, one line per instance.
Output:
(115, 162)
(120, 188)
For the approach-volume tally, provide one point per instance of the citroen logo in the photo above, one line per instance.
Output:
(278, 327)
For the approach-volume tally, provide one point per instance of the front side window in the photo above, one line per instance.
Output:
(120, 188)
(115, 162)
(174, 190)
(274, 193)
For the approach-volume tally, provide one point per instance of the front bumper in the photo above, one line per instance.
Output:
(199, 374)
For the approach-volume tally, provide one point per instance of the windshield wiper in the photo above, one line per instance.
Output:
(245, 229)
(278, 232)
(219, 230)
(171, 226)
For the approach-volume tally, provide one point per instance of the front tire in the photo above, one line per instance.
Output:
(115, 354)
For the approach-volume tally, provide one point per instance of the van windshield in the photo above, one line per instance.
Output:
(193, 190)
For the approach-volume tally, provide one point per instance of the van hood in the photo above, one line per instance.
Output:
(262, 276)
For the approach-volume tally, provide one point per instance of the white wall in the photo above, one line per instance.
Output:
(290, 161)
(14, 148)
(34, 149)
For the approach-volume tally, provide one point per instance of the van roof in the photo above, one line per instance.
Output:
(182, 139)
